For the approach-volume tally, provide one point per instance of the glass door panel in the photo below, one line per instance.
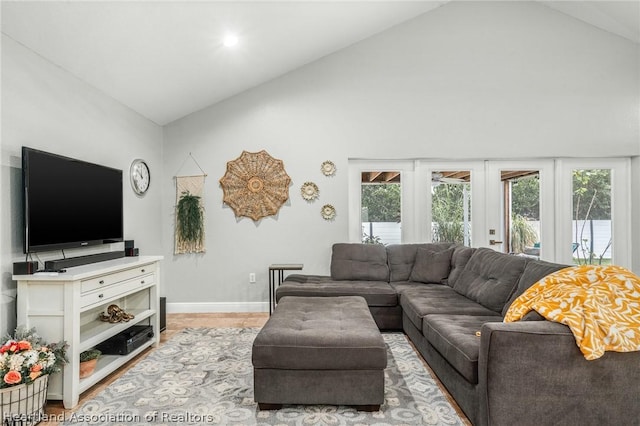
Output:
(519, 206)
(450, 201)
(591, 217)
(451, 206)
(381, 203)
(522, 211)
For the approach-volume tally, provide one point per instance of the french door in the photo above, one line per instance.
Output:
(520, 211)
(449, 203)
(572, 211)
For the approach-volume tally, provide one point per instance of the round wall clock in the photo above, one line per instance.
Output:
(140, 176)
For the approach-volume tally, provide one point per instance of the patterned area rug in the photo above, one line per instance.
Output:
(204, 376)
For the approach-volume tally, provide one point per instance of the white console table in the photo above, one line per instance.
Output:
(66, 306)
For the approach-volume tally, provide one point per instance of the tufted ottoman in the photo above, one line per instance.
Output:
(319, 350)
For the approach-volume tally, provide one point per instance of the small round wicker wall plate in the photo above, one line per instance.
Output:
(328, 168)
(328, 212)
(309, 191)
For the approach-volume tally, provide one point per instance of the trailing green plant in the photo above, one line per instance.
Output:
(190, 218)
(90, 354)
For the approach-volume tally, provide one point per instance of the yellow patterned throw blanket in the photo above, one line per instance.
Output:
(600, 304)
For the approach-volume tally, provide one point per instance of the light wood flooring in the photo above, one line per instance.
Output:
(175, 323)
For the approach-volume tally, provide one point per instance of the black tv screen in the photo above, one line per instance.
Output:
(69, 203)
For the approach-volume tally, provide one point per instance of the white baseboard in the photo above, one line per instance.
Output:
(198, 308)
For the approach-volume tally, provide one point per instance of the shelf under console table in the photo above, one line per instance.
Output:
(67, 306)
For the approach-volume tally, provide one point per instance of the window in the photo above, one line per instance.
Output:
(381, 203)
(451, 206)
(593, 221)
(591, 216)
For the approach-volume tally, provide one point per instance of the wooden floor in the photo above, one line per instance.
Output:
(175, 323)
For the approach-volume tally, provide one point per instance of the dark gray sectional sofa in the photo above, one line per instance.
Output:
(450, 301)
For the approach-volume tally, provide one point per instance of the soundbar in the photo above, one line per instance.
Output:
(55, 265)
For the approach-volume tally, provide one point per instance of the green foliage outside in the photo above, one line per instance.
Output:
(448, 212)
(592, 194)
(369, 239)
(523, 235)
(382, 202)
(525, 207)
(525, 198)
(591, 201)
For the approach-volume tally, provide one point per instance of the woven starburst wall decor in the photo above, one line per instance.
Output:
(255, 185)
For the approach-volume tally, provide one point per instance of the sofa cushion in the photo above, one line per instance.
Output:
(490, 277)
(459, 260)
(454, 336)
(533, 272)
(438, 299)
(431, 266)
(401, 286)
(402, 257)
(376, 293)
(363, 262)
(303, 278)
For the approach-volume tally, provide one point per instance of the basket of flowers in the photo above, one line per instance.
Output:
(25, 364)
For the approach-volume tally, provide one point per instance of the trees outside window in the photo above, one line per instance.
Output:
(592, 216)
(450, 223)
(381, 212)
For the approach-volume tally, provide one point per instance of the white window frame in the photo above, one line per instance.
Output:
(423, 213)
(407, 209)
(620, 206)
(494, 200)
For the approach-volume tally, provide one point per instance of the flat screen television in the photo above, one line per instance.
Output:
(69, 203)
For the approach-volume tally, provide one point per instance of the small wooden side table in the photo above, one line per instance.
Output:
(279, 268)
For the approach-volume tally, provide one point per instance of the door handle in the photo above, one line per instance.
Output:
(494, 242)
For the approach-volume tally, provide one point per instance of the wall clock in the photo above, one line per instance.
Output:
(140, 176)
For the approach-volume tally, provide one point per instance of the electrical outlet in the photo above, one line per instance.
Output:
(252, 277)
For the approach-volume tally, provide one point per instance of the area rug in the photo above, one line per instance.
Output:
(204, 376)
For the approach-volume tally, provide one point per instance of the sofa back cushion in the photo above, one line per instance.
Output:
(402, 257)
(459, 260)
(490, 277)
(533, 272)
(359, 262)
(432, 266)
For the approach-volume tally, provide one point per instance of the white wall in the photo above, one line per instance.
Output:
(47, 108)
(468, 80)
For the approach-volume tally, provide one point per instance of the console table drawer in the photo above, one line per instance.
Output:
(115, 290)
(107, 280)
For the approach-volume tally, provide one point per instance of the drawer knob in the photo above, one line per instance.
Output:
(101, 282)
(142, 282)
(143, 271)
(100, 296)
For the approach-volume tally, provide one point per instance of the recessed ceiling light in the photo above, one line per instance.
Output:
(230, 40)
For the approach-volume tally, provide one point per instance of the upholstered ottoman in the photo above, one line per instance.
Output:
(319, 350)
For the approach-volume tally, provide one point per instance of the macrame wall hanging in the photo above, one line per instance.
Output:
(255, 185)
(190, 223)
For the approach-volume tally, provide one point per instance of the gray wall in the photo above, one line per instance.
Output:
(468, 80)
(47, 108)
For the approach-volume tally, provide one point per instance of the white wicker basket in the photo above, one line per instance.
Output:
(23, 405)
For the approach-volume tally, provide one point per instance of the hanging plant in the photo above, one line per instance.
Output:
(190, 219)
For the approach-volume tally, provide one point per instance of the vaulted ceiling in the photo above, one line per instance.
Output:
(165, 59)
